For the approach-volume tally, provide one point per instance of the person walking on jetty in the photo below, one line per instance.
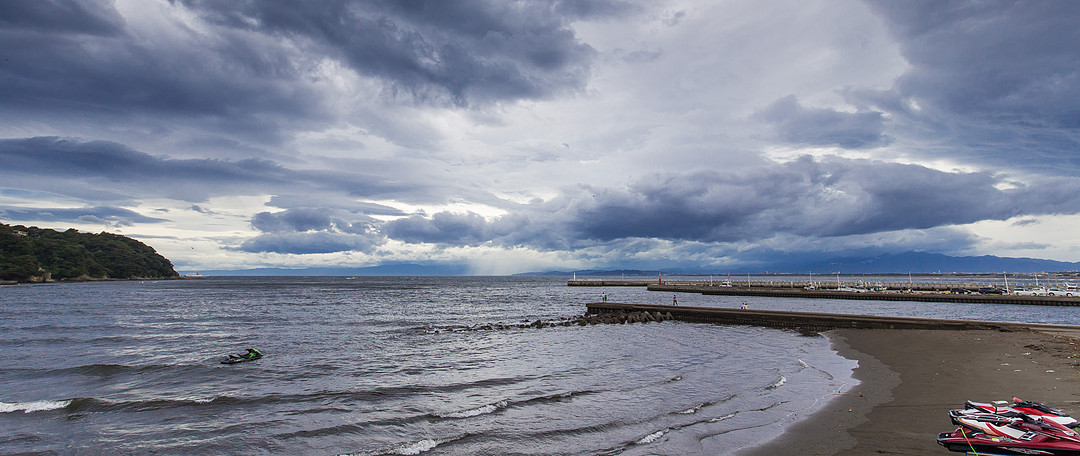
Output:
(603, 297)
(674, 300)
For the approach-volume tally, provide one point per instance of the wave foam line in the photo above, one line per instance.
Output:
(33, 406)
(408, 449)
(416, 447)
(778, 383)
(482, 410)
(650, 438)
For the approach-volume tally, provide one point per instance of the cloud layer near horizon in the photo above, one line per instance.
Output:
(522, 135)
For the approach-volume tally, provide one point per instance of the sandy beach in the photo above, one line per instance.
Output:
(910, 379)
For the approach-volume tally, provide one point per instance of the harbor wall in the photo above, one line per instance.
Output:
(815, 321)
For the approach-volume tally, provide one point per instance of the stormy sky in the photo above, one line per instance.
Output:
(511, 136)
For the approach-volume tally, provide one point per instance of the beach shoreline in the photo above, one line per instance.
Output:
(910, 379)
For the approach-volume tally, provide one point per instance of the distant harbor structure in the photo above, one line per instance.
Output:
(954, 290)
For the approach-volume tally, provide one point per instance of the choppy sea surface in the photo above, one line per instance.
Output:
(406, 365)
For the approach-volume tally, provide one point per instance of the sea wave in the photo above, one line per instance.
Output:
(778, 383)
(409, 448)
(33, 406)
(504, 404)
(416, 447)
(477, 411)
(697, 408)
(650, 438)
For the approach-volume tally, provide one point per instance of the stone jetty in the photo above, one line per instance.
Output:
(810, 321)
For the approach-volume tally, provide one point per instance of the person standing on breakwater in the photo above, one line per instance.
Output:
(603, 296)
(674, 300)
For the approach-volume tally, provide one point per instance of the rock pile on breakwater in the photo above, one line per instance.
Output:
(606, 318)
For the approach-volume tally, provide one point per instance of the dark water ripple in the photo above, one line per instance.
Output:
(379, 365)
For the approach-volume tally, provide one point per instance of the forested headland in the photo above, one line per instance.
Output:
(32, 254)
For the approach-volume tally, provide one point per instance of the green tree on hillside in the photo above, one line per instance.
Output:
(26, 252)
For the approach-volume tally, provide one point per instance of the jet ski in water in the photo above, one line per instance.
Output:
(993, 430)
(251, 355)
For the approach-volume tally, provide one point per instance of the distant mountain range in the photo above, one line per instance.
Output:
(916, 262)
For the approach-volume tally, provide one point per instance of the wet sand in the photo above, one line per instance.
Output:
(910, 379)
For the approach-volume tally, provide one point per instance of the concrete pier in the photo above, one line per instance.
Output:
(818, 321)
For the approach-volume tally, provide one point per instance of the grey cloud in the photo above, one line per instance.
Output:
(993, 83)
(105, 169)
(806, 198)
(116, 167)
(310, 243)
(312, 219)
(336, 202)
(441, 228)
(90, 17)
(465, 52)
(1010, 61)
(102, 215)
(63, 60)
(796, 124)
(306, 230)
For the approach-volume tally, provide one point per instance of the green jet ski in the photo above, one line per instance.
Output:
(251, 355)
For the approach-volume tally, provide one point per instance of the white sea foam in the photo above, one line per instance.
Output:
(33, 406)
(725, 417)
(482, 410)
(692, 410)
(778, 383)
(650, 438)
(802, 363)
(416, 447)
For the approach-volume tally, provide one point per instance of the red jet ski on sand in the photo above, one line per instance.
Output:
(991, 430)
(1030, 408)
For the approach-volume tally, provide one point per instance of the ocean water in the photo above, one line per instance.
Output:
(388, 365)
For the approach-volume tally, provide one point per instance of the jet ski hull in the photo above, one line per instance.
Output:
(234, 360)
(963, 440)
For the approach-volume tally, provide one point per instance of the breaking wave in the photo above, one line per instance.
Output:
(650, 438)
(778, 383)
(33, 406)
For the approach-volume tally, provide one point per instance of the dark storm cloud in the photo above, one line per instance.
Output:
(441, 228)
(465, 52)
(805, 198)
(65, 60)
(64, 16)
(796, 124)
(102, 215)
(994, 82)
(104, 169)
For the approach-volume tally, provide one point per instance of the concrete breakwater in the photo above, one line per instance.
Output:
(814, 321)
(867, 295)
